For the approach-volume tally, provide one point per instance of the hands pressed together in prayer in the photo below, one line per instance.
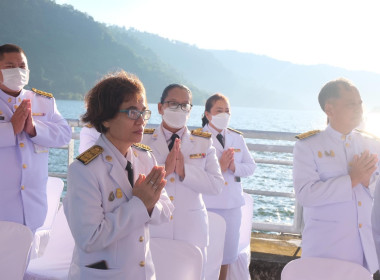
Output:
(22, 119)
(175, 161)
(148, 188)
(362, 168)
(227, 160)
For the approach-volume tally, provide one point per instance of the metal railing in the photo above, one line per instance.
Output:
(294, 228)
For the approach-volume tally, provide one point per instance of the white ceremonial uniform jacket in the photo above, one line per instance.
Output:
(202, 176)
(376, 220)
(88, 137)
(24, 164)
(232, 193)
(109, 223)
(337, 217)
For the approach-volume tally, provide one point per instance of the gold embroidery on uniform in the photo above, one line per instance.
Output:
(200, 155)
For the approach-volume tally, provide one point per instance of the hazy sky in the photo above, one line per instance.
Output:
(340, 33)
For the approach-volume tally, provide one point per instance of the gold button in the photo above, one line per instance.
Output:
(1, 112)
(171, 198)
(9, 100)
(226, 183)
(19, 99)
(142, 263)
(343, 137)
(134, 152)
(108, 158)
(360, 225)
(320, 154)
(359, 203)
(141, 239)
(23, 187)
(16, 106)
(154, 135)
(24, 166)
(171, 217)
(172, 179)
(22, 145)
(347, 145)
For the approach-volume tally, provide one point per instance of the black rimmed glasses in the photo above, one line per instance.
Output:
(135, 114)
(175, 105)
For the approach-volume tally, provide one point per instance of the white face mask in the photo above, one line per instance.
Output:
(221, 121)
(15, 78)
(175, 118)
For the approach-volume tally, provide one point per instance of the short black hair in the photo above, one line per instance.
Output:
(171, 86)
(10, 48)
(333, 90)
(104, 99)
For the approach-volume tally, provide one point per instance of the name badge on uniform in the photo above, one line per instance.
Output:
(1, 118)
(237, 179)
(38, 114)
(237, 150)
(200, 155)
(40, 149)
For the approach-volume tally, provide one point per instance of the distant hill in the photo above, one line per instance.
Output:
(68, 51)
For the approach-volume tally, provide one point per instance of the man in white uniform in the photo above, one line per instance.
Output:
(332, 172)
(30, 124)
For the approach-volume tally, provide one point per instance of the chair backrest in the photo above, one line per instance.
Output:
(240, 268)
(217, 232)
(15, 243)
(323, 268)
(246, 222)
(55, 262)
(175, 259)
(54, 190)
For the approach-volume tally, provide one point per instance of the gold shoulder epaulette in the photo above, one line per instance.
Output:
(142, 147)
(234, 130)
(368, 134)
(89, 155)
(89, 125)
(307, 134)
(149, 130)
(40, 92)
(200, 133)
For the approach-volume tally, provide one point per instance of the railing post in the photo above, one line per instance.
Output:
(298, 217)
(70, 150)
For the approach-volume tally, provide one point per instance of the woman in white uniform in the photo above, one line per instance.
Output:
(235, 162)
(192, 168)
(114, 188)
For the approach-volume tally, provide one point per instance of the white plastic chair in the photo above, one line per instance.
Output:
(239, 270)
(54, 190)
(55, 262)
(15, 243)
(217, 232)
(175, 259)
(323, 268)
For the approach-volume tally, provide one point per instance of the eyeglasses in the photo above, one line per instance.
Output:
(135, 114)
(175, 105)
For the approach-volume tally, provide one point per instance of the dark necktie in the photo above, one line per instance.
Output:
(220, 139)
(174, 136)
(130, 173)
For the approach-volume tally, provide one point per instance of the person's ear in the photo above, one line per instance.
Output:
(329, 109)
(106, 124)
(208, 115)
(160, 109)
